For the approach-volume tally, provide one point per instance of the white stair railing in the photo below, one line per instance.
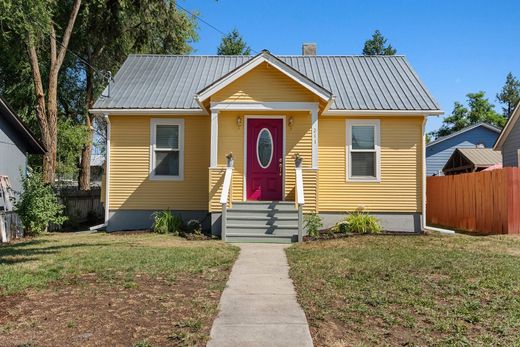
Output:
(299, 201)
(226, 190)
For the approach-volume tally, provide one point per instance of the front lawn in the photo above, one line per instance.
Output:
(410, 290)
(111, 289)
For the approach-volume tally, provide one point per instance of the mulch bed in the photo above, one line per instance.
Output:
(326, 234)
(146, 311)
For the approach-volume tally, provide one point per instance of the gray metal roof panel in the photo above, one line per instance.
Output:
(481, 156)
(357, 82)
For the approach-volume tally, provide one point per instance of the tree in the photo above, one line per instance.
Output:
(479, 110)
(509, 95)
(34, 23)
(377, 45)
(233, 44)
(107, 32)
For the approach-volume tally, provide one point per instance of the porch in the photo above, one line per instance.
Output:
(263, 174)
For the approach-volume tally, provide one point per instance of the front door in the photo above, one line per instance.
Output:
(264, 159)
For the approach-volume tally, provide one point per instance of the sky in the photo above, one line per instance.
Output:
(456, 46)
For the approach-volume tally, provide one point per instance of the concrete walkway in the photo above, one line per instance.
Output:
(259, 307)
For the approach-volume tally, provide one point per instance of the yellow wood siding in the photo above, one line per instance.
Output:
(263, 84)
(130, 186)
(231, 139)
(401, 166)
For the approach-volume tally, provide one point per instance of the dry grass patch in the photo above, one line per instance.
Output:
(100, 289)
(410, 290)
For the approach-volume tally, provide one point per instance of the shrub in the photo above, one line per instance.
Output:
(38, 205)
(362, 223)
(312, 222)
(166, 222)
(342, 227)
(194, 226)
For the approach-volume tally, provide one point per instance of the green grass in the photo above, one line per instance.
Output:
(414, 290)
(37, 262)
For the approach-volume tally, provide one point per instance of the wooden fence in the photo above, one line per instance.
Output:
(83, 208)
(12, 224)
(485, 202)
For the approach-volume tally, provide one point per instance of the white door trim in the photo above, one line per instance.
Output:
(247, 117)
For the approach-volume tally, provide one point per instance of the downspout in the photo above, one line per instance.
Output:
(425, 227)
(107, 173)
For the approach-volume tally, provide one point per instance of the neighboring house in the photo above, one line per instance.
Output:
(509, 140)
(357, 122)
(465, 160)
(16, 142)
(97, 162)
(439, 151)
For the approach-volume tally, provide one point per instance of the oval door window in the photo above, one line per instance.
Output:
(264, 148)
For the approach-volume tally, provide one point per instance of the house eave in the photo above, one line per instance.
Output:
(149, 111)
(383, 112)
(507, 128)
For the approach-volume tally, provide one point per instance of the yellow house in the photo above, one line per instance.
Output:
(247, 145)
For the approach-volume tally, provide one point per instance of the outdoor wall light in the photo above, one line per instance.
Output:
(239, 121)
(291, 122)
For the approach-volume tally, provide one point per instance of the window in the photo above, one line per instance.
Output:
(167, 149)
(363, 150)
(264, 148)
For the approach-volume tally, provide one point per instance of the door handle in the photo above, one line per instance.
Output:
(280, 165)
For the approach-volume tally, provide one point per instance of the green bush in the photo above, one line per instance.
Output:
(38, 205)
(194, 226)
(166, 222)
(361, 223)
(313, 223)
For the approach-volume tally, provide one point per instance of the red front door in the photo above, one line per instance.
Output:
(264, 159)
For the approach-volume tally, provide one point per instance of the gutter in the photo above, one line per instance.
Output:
(148, 111)
(425, 113)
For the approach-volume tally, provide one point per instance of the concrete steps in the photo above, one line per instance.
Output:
(262, 221)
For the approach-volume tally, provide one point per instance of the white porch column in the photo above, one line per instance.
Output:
(314, 116)
(214, 138)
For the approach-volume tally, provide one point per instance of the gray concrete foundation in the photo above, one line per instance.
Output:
(395, 221)
(216, 223)
(142, 219)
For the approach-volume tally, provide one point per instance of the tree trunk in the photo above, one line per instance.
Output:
(47, 113)
(86, 153)
(41, 111)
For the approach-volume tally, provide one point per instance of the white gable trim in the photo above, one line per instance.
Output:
(253, 63)
(511, 122)
(264, 106)
(462, 131)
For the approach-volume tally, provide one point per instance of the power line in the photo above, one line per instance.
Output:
(207, 23)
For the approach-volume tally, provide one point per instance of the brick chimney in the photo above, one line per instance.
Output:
(309, 48)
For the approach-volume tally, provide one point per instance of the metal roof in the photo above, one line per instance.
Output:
(462, 131)
(357, 82)
(481, 157)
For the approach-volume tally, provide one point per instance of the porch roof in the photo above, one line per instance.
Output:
(358, 83)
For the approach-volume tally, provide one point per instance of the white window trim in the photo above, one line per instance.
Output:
(377, 143)
(153, 128)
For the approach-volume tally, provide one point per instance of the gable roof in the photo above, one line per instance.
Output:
(358, 83)
(264, 57)
(511, 122)
(481, 157)
(462, 131)
(33, 145)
